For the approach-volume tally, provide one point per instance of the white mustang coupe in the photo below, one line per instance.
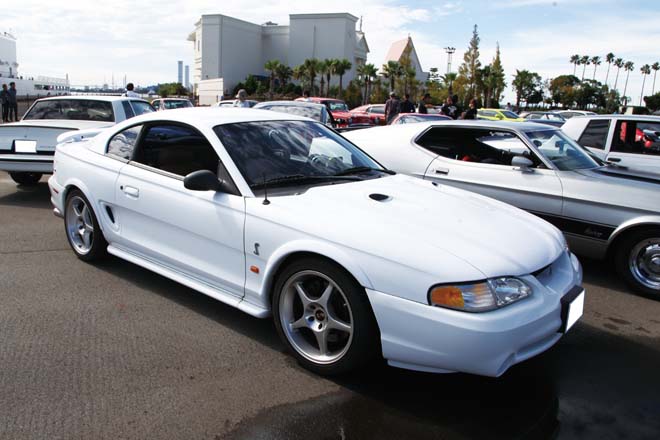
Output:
(277, 214)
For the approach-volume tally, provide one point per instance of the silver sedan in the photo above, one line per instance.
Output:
(604, 211)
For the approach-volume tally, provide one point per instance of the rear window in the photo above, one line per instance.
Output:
(308, 112)
(169, 105)
(72, 109)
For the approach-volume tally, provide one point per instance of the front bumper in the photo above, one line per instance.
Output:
(420, 337)
(30, 163)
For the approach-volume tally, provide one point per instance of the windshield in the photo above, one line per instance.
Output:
(510, 115)
(72, 109)
(268, 150)
(561, 150)
(336, 106)
(171, 104)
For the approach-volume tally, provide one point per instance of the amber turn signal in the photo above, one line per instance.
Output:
(448, 296)
(254, 269)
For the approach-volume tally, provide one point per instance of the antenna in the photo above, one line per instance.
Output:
(266, 201)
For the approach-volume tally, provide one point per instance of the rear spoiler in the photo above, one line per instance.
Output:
(78, 135)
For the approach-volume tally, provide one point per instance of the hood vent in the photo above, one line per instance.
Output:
(379, 197)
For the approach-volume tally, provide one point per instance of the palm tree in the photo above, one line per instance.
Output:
(328, 74)
(619, 64)
(449, 79)
(628, 67)
(323, 69)
(655, 66)
(284, 72)
(341, 67)
(392, 71)
(646, 70)
(609, 59)
(272, 66)
(311, 66)
(368, 72)
(575, 60)
(596, 62)
(585, 61)
(300, 74)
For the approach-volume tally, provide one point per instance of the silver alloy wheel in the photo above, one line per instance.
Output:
(79, 224)
(644, 263)
(316, 317)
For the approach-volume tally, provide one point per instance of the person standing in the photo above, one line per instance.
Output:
(471, 113)
(392, 108)
(12, 102)
(306, 97)
(423, 103)
(406, 105)
(241, 99)
(129, 91)
(4, 99)
(449, 109)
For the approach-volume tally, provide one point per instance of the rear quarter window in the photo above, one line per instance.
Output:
(595, 135)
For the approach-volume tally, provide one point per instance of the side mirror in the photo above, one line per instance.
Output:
(522, 162)
(204, 180)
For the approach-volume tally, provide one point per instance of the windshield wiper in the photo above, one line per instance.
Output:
(358, 170)
(300, 178)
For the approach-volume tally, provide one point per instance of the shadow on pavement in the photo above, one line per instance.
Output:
(33, 196)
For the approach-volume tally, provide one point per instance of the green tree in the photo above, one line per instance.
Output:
(329, 71)
(471, 64)
(575, 60)
(392, 71)
(171, 89)
(653, 102)
(596, 62)
(585, 61)
(311, 67)
(655, 66)
(340, 68)
(272, 66)
(646, 70)
(609, 59)
(300, 74)
(368, 73)
(323, 69)
(562, 89)
(526, 85)
(619, 64)
(448, 80)
(628, 67)
(284, 73)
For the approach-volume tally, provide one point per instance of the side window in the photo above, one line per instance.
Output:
(377, 110)
(477, 145)
(128, 109)
(637, 137)
(176, 149)
(595, 135)
(123, 143)
(141, 107)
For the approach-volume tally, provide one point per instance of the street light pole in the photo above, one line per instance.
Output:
(450, 51)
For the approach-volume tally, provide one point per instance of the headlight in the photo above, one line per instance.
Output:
(480, 297)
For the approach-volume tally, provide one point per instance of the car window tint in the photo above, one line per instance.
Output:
(72, 109)
(476, 145)
(123, 143)
(595, 135)
(176, 149)
(637, 137)
(308, 112)
(141, 107)
(128, 110)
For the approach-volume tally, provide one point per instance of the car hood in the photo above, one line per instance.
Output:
(422, 225)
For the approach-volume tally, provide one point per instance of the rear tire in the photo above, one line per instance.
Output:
(27, 179)
(82, 228)
(324, 317)
(637, 259)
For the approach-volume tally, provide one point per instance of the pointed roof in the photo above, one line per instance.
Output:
(362, 40)
(396, 50)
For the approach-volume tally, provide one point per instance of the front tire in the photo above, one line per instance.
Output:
(637, 259)
(324, 317)
(82, 228)
(27, 179)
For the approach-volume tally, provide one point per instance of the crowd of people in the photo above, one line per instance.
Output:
(451, 108)
(9, 103)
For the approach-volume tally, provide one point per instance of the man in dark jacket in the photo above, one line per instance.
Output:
(406, 105)
(449, 109)
(423, 103)
(392, 107)
(12, 102)
(4, 100)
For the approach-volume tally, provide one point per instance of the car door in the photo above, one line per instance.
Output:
(479, 160)
(636, 144)
(198, 233)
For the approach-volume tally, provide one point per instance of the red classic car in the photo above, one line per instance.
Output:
(375, 113)
(339, 111)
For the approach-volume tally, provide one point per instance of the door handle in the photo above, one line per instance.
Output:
(443, 171)
(131, 191)
(614, 159)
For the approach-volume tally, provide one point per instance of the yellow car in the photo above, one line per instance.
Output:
(496, 114)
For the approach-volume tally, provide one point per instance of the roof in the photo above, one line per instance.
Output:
(649, 118)
(212, 116)
(88, 98)
(396, 50)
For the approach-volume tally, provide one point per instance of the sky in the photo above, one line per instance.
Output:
(91, 41)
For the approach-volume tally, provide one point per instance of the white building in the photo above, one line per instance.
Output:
(26, 85)
(402, 48)
(229, 49)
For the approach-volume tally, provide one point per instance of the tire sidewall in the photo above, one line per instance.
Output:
(365, 344)
(26, 178)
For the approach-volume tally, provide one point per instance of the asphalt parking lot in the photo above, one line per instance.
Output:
(114, 351)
